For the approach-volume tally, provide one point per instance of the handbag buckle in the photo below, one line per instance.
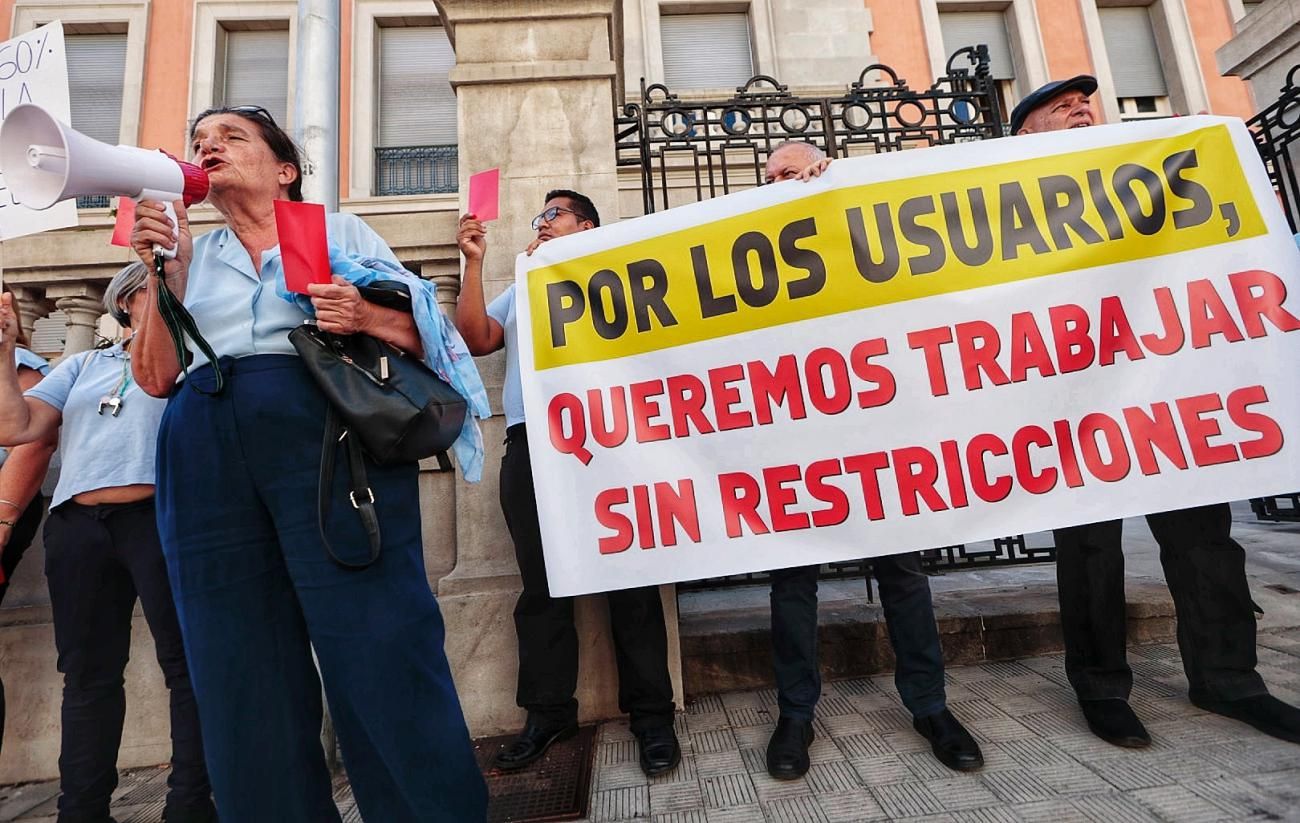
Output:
(353, 497)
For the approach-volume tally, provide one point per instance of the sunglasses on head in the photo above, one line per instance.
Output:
(254, 111)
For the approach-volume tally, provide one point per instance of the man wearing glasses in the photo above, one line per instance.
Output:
(548, 641)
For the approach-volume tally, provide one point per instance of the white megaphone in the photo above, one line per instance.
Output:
(45, 162)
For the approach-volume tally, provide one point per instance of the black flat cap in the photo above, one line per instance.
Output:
(1085, 83)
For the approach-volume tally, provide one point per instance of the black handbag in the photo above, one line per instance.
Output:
(381, 401)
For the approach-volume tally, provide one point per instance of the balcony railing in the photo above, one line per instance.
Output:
(94, 201)
(416, 170)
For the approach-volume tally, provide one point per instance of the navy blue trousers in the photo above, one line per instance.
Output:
(256, 593)
(909, 616)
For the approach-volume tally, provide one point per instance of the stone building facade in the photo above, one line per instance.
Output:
(433, 90)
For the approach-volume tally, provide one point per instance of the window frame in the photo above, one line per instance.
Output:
(134, 14)
(1024, 36)
(210, 17)
(1176, 46)
(762, 38)
(368, 18)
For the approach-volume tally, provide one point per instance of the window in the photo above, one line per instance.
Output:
(415, 149)
(253, 69)
(1134, 62)
(706, 51)
(96, 74)
(988, 28)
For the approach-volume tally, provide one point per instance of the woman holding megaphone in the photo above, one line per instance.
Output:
(101, 554)
(238, 467)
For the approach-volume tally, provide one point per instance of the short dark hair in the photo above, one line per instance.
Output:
(580, 203)
(277, 139)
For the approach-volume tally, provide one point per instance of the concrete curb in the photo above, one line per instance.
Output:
(724, 651)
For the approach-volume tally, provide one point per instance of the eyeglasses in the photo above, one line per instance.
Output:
(255, 111)
(553, 212)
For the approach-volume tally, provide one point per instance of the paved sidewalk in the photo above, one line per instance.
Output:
(868, 764)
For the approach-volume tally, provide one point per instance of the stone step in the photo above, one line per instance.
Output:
(729, 648)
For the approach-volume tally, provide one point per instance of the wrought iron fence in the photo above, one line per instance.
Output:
(1276, 130)
(1004, 551)
(416, 170)
(688, 150)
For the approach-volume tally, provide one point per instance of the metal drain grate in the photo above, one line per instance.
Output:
(557, 787)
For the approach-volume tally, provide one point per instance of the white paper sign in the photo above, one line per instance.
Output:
(34, 69)
(918, 349)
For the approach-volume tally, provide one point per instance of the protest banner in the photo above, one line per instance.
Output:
(917, 349)
(34, 69)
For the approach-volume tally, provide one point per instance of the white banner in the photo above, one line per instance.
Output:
(34, 69)
(918, 349)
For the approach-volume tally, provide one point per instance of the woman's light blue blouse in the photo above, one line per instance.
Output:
(236, 307)
(100, 450)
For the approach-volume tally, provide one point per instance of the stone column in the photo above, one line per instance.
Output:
(32, 306)
(536, 88)
(82, 303)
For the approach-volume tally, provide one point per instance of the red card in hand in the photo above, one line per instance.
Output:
(485, 194)
(125, 222)
(304, 251)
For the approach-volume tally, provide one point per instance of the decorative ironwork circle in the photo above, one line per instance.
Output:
(856, 117)
(736, 121)
(964, 110)
(912, 105)
(677, 123)
(795, 119)
(1288, 113)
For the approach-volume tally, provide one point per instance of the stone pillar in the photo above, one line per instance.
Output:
(536, 89)
(32, 306)
(82, 303)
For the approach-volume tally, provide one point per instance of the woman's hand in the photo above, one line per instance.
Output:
(154, 228)
(471, 237)
(8, 326)
(340, 308)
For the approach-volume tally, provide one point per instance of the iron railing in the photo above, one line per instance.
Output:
(1276, 130)
(1004, 551)
(416, 170)
(688, 150)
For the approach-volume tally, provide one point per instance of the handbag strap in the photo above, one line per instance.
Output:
(360, 493)
(180, 323)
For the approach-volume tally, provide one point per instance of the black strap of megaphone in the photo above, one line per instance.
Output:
(180, 323)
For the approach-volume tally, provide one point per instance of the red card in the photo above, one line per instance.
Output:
(125, 222)
(304, 251)
(485, 194)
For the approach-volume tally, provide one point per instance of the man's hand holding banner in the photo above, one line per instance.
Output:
(918, 349)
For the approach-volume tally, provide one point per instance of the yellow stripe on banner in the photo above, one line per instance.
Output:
(869, 245)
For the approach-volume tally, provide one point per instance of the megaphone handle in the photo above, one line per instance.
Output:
(170, 254)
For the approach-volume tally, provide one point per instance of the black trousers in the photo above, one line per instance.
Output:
(98, 559)
(20, 539)
(548, 640)
(1206, 573)
(909, 617)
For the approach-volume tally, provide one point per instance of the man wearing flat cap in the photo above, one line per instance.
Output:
(1204, 567)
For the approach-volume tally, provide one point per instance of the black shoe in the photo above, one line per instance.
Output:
(660, 753)
(950, 741)
(531, 744)
(1263, 711)
(1114, 721)
(787, 751)
(206, 813)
